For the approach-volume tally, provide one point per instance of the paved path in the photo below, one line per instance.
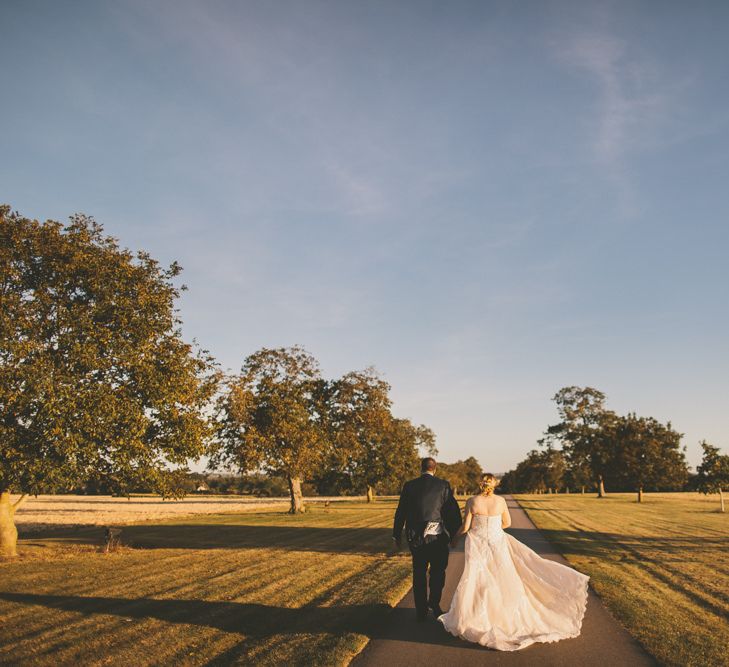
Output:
(403, 641)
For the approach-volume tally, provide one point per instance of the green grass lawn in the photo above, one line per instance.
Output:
(662, 566)
(254, 588)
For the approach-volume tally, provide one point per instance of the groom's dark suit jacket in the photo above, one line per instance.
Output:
(423, 500)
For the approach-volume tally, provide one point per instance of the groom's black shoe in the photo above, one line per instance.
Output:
(437, 611)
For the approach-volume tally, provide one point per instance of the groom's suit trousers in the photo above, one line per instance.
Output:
(435, 554)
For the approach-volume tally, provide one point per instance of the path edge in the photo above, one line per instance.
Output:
(393, 602)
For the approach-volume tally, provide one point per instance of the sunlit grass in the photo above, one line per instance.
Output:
(264, 588)
(661, 566)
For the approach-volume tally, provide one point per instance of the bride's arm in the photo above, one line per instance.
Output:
(505, 516)
(465, 526)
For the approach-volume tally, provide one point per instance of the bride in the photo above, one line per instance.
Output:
(508, 596)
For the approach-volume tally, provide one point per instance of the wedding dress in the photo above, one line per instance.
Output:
(510, 597)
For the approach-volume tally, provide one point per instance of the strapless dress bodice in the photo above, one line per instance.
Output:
(486, 526)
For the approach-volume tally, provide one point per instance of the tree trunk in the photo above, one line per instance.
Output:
(8, 531)
(640, 494)
(721, 499)
(600, 487)
(583, 490)
(370, 494)
(297, 498)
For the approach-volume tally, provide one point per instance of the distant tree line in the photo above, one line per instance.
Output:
(592, 447)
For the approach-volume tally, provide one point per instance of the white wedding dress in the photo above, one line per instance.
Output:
(510, 597)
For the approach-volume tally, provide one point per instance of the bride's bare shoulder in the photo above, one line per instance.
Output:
(476, 501)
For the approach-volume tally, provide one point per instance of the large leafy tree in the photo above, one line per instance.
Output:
(95, 378)
(584, 432)
(272, 418)
(358, 420)
(648, 454)
(713, 472)
(370, 448)
(404, 443)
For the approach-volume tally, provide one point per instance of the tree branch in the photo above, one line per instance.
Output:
(20, 500)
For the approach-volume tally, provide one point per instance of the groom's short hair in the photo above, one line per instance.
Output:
(427, 464)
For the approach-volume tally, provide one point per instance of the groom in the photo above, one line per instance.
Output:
(431, 516)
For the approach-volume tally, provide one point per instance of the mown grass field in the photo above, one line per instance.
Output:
(259, 588)
(661, 566)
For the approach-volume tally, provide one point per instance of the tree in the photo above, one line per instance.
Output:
(272, 417)
(463, 476)
(578, 475)
(540, 471)
(370, 447)
(454, 474)
(404, 443)
(583, 431)
(528, 477)
(713, 472)
(648, 455)
(472, 472)
(554, 468)
(95, 379)
(358, 420)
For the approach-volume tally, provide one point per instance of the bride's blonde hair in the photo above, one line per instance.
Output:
(488, 483)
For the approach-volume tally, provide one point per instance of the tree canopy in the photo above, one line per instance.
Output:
(272, 418)
(463, 476)
(280, 416)
(713, 473)
(581, 431)
(647, 454)
(95, 378)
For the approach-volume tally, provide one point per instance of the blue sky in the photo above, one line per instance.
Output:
(485, 200)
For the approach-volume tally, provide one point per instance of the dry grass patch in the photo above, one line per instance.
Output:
(38, 513)
(661, 566)
(264, 588)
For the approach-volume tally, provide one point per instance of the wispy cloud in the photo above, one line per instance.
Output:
(360, 194)
(632, 105)
(631, 96)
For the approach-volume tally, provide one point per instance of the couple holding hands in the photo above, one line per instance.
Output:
(508, 596)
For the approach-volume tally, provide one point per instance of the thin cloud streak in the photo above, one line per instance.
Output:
(632, 105)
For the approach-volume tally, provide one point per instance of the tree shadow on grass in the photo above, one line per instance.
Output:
(612, 545)
(226, 536)
(252, 620)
